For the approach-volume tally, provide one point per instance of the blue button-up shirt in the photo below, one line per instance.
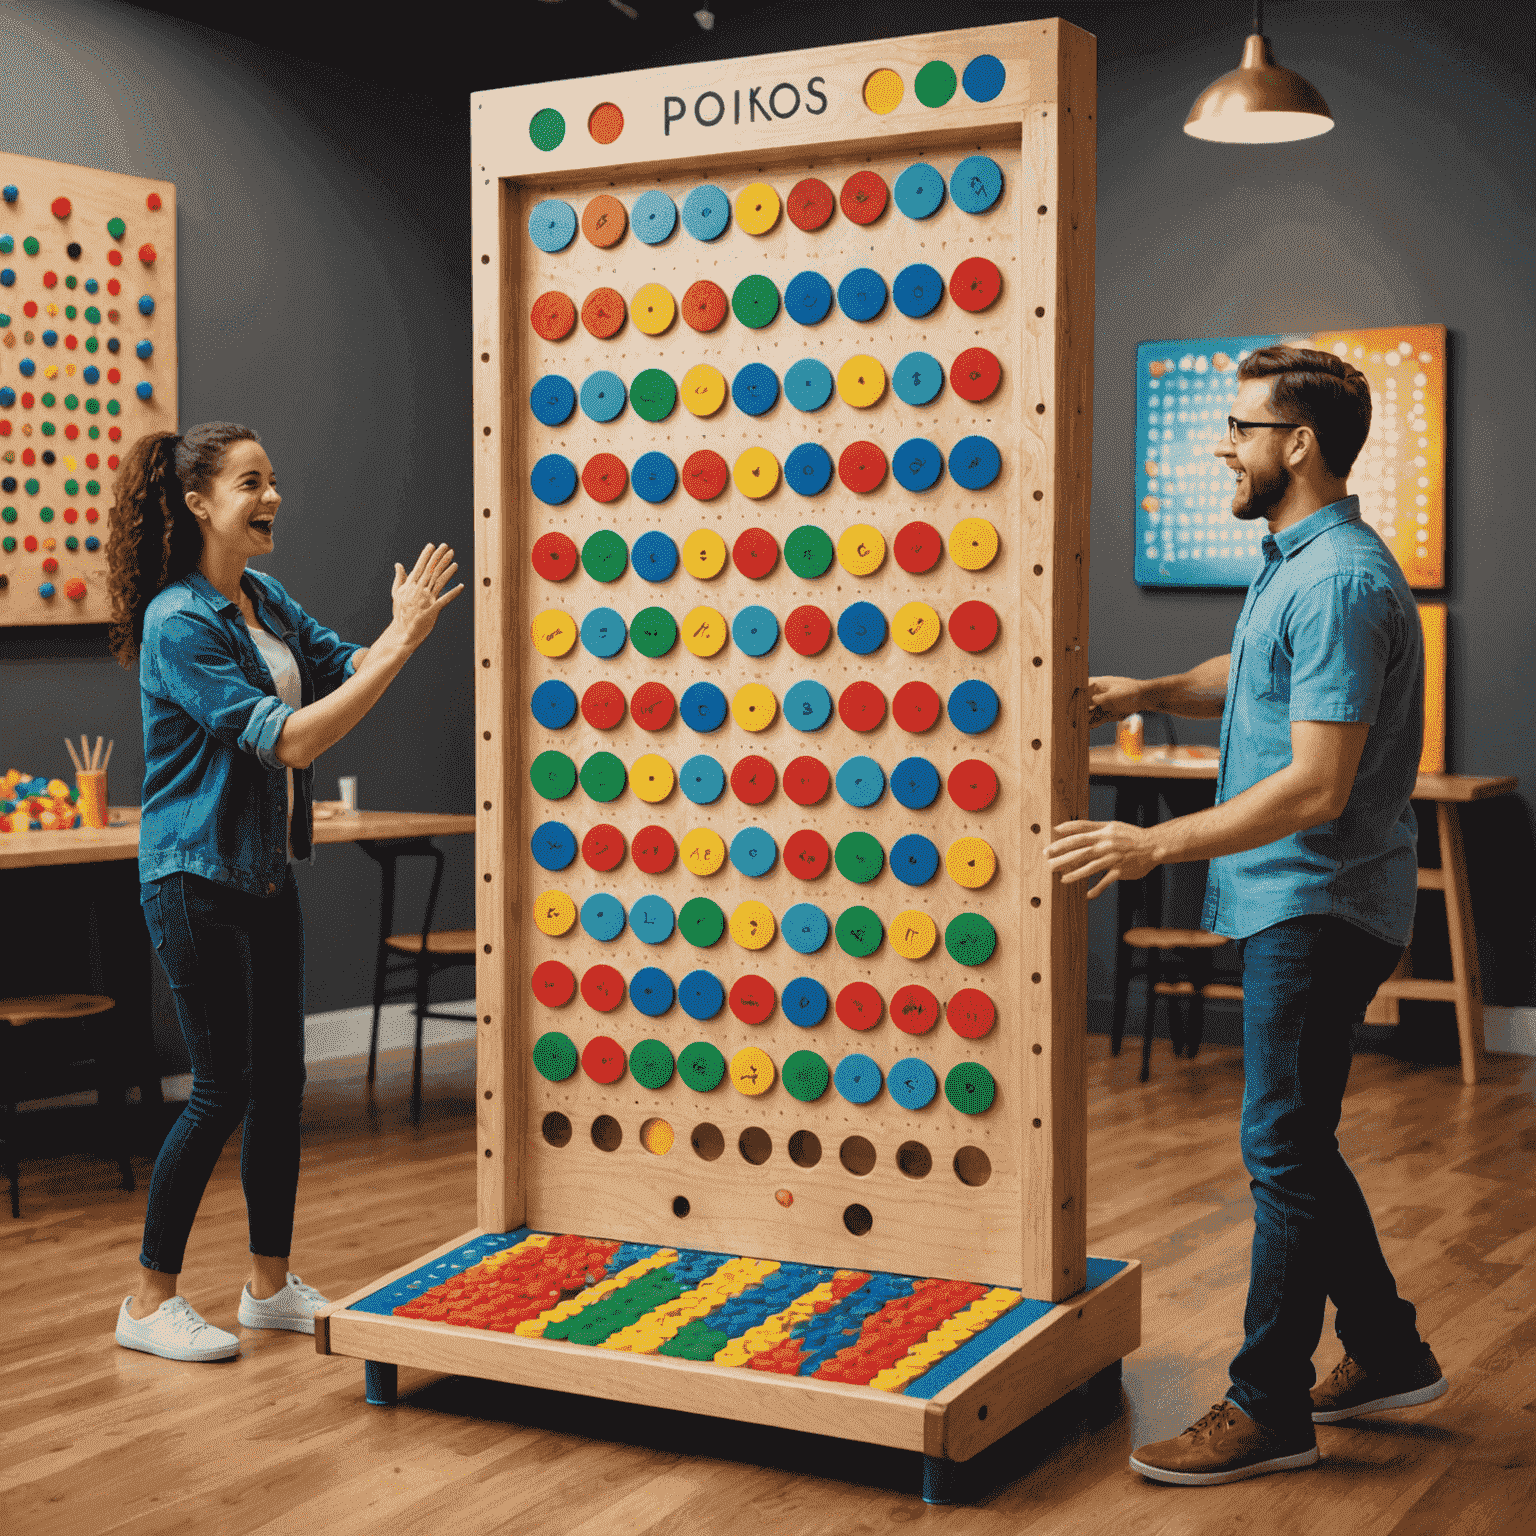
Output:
(215, 794)
(1329, 631)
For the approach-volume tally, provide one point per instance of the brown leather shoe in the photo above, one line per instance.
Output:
(1352, 1389)
(1224, 1447)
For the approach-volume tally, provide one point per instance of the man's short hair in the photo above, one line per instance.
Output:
(1321, 391)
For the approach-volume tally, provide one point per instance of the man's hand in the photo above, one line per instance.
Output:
(1113, 698)
(1116, 849)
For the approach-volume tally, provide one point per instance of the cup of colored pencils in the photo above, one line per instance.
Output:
(91, 779)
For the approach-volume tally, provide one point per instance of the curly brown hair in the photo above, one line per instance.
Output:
(154, 538)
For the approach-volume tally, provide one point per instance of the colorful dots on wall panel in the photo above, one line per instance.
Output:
(976, 184)
(984, 77)
(604, 220)
(864, 197)
(706, 212)
(935, 83)
(552, 225)
(547, 129)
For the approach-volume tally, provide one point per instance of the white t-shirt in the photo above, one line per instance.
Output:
(285, 675)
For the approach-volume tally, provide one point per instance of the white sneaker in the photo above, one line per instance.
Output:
(174, 1331)
(293, 1307)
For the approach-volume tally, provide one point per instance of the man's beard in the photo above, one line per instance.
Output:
(1263, 496)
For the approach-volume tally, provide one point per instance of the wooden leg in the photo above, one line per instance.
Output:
(939, 1480)
(1383, 1009)
(1465, 972)
(381, 1383)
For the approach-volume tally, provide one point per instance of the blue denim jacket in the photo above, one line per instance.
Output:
(215, 794)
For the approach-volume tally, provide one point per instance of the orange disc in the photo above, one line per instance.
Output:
(606, 123)
(604, 220)
(553, 316)
(704, 305)
(603, 312)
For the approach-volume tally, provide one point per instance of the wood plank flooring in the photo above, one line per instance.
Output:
(95, 1439)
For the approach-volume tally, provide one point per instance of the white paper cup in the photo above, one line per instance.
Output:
(348, 788)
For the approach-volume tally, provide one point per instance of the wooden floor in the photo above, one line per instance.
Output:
(97, 1439)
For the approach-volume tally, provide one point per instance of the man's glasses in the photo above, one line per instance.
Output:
(1233, 424)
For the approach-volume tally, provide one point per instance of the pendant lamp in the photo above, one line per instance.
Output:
(1258, 102)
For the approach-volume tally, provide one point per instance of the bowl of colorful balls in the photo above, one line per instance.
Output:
(33, 804)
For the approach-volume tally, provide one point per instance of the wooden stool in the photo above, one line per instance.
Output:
(1191, 947)
(17, 1011)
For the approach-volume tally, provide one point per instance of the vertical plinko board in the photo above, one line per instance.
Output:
(87, 364)
(818, 328)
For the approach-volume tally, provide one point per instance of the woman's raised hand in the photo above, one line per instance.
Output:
(418, 596)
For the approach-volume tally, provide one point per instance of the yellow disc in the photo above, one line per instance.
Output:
(704, 631)
(703, 851)
(883, 91)
(970, 862)
(756, 473)
(656, 1136)
(652, 778)
(861, 549)
(915, 627)
(912, 934)
(652, 309)
(704, 553)
(752, 1071)
(861, 381)
(703, 389)
(554, 633)
(751, 924)
(554, 912)
(973, 543)
(757, 208)
(754, 707)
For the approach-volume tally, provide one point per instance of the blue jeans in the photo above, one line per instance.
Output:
(1306, 984)
(236, 967)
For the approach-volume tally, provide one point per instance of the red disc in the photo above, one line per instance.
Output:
(752, 999)
(603, 847)
(652, 706)
(806, 781)
(861, 706)
(914, 1010)
(916, 707)
(602, 988)
(705, 474)
(975, 374)
(602, 706)
(605, 477)
(864, 197)
(653, 850)
(602, 312)
(705, 305)
(861, 466)
(603, 1060)
(809, 204)
(859, 1006)
(917, 547)
(553, 316)
(554, 983)
(60, 207)
(970, 1013)
(976, 282)
(755, 552)
(753, 780)
(972, 784)
(555, 556)
(973, 625)
(807, 630)
(806, 854)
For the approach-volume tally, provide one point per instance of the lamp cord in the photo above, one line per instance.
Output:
(1258, 17)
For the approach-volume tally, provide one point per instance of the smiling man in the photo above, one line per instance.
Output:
(1314, 871)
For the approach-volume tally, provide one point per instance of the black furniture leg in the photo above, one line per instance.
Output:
(385, 859)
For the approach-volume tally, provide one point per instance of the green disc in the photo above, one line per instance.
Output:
(859, 932)
(935, 83)
(969, 1088)
(604, 555)
(602, 776)
(547, 129)
(755, 301)
(650, 1064)
(805, 1074)
(116, 228)
(701, 922)
(554, 1055)
(859, 857)
(701, 1066)
(970, 938)
(653, 394)
(553, 775)
(808, 550)
(654, 632)
(30, 245)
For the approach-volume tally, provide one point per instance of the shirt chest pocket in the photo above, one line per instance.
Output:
(1266, 667)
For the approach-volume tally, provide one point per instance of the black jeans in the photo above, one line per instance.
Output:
(236, 967)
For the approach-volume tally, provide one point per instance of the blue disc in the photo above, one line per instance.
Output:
(552, 399)
(702, 779)
(554, 704)
(808, 385)
(808, 298)
(651, 920)
(917, 464)
(755, 630)
(917, 290)
(552, 225)
(912, 1082)
(973, 706)
(807, 705)
(654, 478)
(974, 463)
(804, 928)
(917, 378)
(602, 916)
(602, 395)
(977, 183)
(650, 990)
(753, 851)
(653, 217)
(808, 467)
(983, 77)
(861, 628)
(861, 294)
(553, 845)
(857, 1078)
(701, 994)
(706, 212)
(602, 632)
(553, 479)
(703, 707)
(755, 388)
(914, 860)
(804, 1001)
(654, 555)
(915, 783)
(861, 781)
(919, 191)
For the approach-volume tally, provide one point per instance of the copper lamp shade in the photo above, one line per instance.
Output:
(1258, 103)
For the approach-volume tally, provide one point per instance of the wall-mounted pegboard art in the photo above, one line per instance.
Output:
(87, 364)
